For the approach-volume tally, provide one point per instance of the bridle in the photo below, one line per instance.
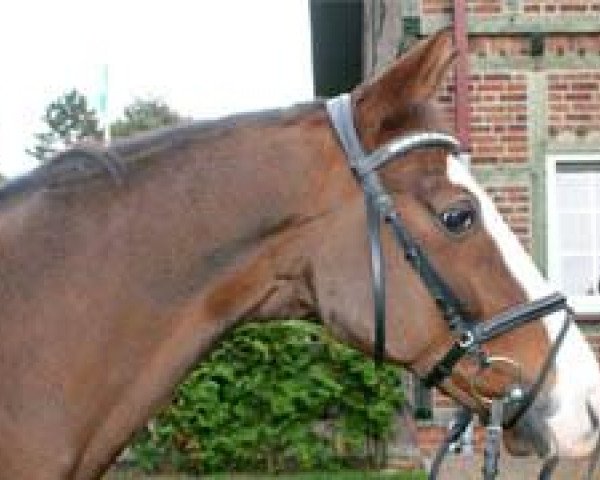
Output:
(469, 335)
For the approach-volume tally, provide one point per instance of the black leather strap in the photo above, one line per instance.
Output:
(443, 369)
(450, 305)
(378, 274)
(340, 113)
(518, 315)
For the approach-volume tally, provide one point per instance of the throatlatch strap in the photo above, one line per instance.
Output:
(378, 272)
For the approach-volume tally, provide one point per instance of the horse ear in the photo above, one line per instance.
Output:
(410, 80)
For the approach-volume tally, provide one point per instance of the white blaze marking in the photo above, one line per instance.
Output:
(577, 372)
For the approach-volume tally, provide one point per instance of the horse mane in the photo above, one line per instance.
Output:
(88, 161)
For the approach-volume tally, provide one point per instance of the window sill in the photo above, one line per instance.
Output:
(585, 306)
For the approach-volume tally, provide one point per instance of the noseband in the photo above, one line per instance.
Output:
(468, 333)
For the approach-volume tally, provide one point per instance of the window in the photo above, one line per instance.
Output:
(574, 228)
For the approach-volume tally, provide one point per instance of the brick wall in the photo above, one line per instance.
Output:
(434, 7)
(581, 45)
(500, 126)
(498, 116)
(520, 45)
(491, 7)
(513, 46)
(560, 7)
(514, 203)
(477, 7)
(573, 103)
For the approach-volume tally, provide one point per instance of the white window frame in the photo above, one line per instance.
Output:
(585, 305)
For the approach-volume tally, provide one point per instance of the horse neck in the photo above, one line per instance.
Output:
(239, 247)
(236, 197)
(153, 273)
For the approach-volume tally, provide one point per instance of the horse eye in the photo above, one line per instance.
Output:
(458, 219)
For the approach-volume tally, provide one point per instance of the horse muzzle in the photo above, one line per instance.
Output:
(531, 433)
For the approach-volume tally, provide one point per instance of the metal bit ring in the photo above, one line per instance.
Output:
(475, 383)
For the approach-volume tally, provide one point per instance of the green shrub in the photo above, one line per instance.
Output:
(279, 396)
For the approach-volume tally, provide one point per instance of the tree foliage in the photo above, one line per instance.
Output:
(275, 397)
(68, 119)
(144, 115)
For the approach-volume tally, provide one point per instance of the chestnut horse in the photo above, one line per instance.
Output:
(122, 267)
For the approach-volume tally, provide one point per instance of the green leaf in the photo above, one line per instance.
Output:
(254, 403)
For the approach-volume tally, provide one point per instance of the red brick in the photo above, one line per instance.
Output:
(585, 86)
(486, 9)
(591, 107)
(514, 138)
(532, 8)
(491, 87)
(560, 107)
(567, 8)
(518, 148)
(497, 77)
(581, 117)
(513, 97)
(516, 87)
(556, 87)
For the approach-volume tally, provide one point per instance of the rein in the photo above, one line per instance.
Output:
(469, 336)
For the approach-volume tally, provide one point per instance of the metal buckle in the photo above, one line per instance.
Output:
(466, 340)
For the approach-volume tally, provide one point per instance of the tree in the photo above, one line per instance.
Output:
(69, 119)
(144, 115)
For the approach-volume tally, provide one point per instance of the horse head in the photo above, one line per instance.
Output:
(473, 250)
